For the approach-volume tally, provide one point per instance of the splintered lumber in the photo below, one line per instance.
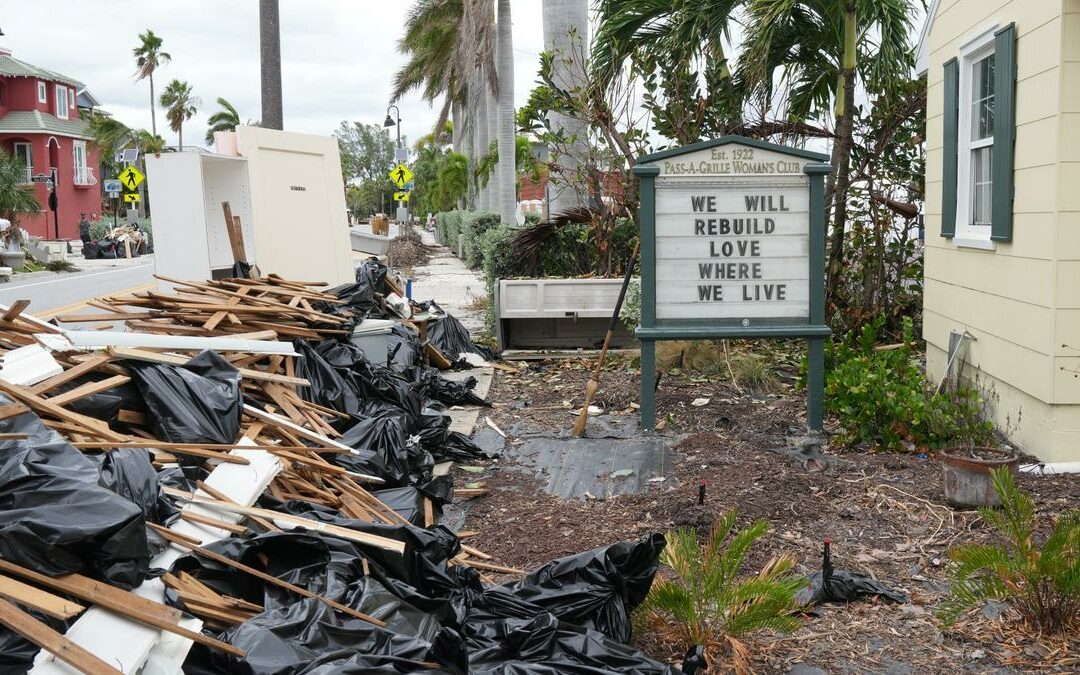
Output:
(35, 598)
(278, 420)
(121, 602)
(268, 578)
(41, 635)
(156, 357)
(384, 543)
(42, 406)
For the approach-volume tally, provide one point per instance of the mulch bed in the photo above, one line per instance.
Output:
(884, 513)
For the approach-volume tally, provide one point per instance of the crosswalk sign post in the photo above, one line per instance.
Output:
(401, 175)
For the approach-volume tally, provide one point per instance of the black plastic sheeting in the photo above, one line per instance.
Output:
(129, 473)
(56, 519)
(453, 339)
(435, 613)
(198, 402)
(830, 585)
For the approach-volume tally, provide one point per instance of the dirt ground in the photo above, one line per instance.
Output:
(884, 513)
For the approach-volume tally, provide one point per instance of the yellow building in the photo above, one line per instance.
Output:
(1003, 211)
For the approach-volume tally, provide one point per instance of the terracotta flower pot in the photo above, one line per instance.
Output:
(967, 474)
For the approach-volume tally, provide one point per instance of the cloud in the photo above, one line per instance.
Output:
(338, 56)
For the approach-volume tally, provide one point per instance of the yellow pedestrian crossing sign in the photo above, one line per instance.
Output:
(401, 196)
(131, 197)
(401, 175)
(131, 178)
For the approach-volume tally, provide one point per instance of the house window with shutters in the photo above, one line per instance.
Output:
(979, 137)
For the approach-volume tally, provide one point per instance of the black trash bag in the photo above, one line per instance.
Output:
(328, 388)
(198, 402)
(91, 250)
(694, 662)
(241, 270)
(357, 298)
(385, 436)
(373, 273)
(544, 645)
(400, 348)
(408, 501)
(129, 473)
(385, 384)
(596, 589)
(56, 519)
(459, 447)
(340, 354)
(829, 585)
(105, 405)
(106, 249)
(433, 427)
(453, 339)
(453, 392)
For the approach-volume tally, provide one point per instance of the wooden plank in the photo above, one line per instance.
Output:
(88, 389)
(213, 522)
(90, 364)
(35, 598)
(97, 427)
(155, 357)
(236, 239)
(121, 602)
(64, 649)
(384, 543)
(15, 310)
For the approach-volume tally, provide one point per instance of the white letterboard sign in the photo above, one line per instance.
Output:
(732, 235)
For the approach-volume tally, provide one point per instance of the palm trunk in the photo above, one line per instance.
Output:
(455, 122)
(483, 93)
(153, 115)
(492, 105)
(842, 151)
(180, 137)
(566, 28)
(270, 64)
(507, 169)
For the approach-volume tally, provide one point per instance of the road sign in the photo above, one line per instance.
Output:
(401, 175)
(112, 185)
(131, 178)
(401, 196)
(131, 197)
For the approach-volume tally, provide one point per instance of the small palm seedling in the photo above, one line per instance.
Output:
(1042, 583)
(705, 602)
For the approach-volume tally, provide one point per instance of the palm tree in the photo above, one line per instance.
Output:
(148, 56)
(820, 47)
(566, 29)
(180, 105)
(270, 63)
(16, 196)
(226, 119)
(506, 202)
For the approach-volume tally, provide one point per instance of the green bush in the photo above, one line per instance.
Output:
(1041, 582)
(473, 227)
(499, 262)
(708, 601)
(880, 396)
(449, 224)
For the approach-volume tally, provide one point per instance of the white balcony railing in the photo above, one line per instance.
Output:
(29, 174)
(84, 175)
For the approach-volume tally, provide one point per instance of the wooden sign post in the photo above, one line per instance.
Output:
(733, 246)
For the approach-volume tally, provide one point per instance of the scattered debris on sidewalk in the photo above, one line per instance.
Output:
(407, 250)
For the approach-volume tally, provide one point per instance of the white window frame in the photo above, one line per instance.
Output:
(81, 176)
(71, 97)
(971, 52)
(42, 92)
(62, 110)
(29, 153)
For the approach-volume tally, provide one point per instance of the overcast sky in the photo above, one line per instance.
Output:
(338, 56)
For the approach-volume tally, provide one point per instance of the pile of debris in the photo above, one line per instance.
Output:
(197, 493)
(125, 241)
(408, 250)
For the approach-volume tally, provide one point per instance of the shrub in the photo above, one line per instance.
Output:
(499, 262)
(449, 224)
(473, 227)
(1042, 583)
(880, 396)
(705, 603)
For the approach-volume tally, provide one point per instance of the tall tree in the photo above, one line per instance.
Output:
(180, 105)
(148, 56)
(507, 169)
(270, 63)
(818, 51)
(566, 30)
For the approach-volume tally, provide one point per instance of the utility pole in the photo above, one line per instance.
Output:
(270, 56)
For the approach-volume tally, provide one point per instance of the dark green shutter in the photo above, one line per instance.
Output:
(1001, 206)
(948, 174)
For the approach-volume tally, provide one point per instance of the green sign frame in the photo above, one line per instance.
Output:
(651, 330)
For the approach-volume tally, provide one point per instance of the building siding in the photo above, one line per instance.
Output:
(1021, 300)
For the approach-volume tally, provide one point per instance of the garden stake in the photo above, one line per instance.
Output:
(594, 381)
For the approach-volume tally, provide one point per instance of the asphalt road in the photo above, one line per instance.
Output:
(63, 291)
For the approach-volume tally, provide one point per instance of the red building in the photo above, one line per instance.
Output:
(41, 125)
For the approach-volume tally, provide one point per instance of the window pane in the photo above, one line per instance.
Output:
(982, 98)
(982, 185)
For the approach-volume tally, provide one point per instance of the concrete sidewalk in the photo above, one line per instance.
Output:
(450, 283)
